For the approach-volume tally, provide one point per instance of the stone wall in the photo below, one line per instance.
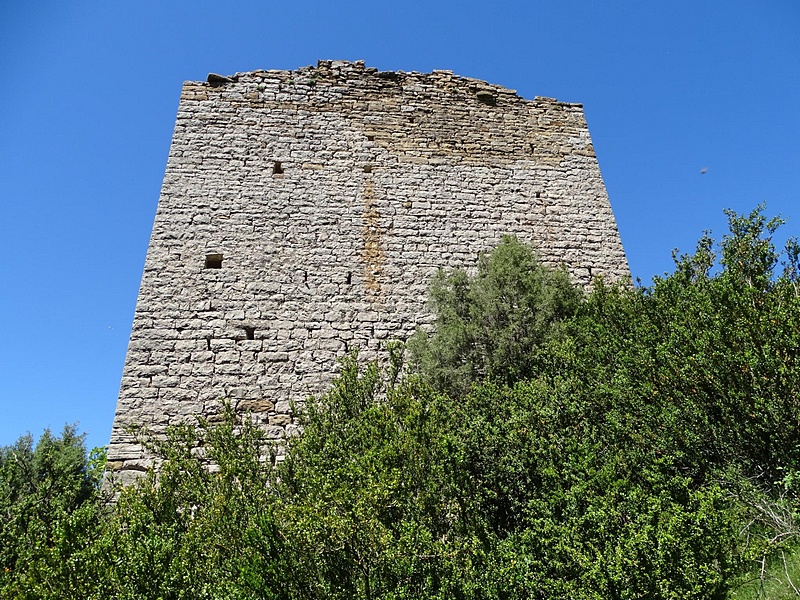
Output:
(304, 212)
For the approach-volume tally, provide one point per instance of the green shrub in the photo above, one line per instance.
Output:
(50, 505)
(637, 443)
(490, 326)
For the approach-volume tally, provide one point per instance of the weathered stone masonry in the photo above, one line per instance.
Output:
(304, 212)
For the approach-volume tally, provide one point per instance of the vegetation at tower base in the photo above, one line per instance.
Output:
(646, 448)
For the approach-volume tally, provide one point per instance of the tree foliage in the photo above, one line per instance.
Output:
(49, 509)
(492, 325)
(201, 524)
(635, 443)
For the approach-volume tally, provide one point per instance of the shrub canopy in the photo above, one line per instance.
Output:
(639, 442)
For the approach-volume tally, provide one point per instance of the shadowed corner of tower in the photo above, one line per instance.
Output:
(372, 251)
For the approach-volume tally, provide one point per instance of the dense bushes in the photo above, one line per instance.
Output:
(49, 513)
(637, 443)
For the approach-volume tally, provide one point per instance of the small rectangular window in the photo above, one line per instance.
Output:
(213, 261)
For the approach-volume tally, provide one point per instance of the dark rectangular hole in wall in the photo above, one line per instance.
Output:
(349, 278)
(538, 194)
(277, 169)
(486, 97)
(213, 261)
(371, 138)
(368, 169)
(250, 332)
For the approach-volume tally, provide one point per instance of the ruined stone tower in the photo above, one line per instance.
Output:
(304, 212)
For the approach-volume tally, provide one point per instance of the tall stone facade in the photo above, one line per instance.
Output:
(304, 212)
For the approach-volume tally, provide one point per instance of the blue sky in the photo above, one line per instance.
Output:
(90, 92)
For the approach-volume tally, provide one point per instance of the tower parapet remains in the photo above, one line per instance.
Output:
(303, 213)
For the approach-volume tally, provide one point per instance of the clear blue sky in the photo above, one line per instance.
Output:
(90, 92)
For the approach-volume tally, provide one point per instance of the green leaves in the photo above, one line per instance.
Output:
(49, 514)
(200, 525)
(635, 443)
(369, 503)
(491, 326)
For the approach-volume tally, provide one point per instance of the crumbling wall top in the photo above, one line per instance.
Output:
(334, 72)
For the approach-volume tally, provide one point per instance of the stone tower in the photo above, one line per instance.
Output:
(304, 212)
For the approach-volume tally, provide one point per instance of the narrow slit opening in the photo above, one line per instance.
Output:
(277, 168)
(250, 332)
